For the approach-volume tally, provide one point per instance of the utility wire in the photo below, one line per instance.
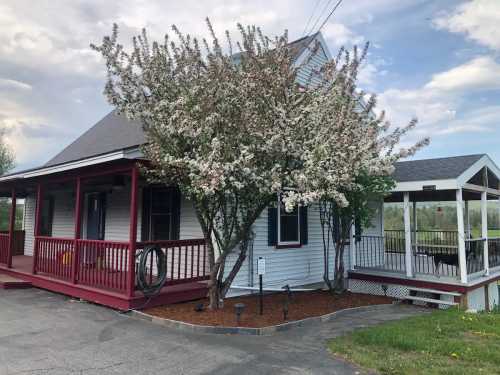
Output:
(311, 16)
(319, 16)
(328, 17)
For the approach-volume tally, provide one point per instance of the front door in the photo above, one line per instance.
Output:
(96, 205)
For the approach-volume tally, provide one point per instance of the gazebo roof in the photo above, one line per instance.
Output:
(438, 179)
(434, 169)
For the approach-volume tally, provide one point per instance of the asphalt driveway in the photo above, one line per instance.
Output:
(46, 333)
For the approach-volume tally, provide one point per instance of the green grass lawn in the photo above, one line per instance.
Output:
(444, 342)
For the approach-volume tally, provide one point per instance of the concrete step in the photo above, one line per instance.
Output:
(430, 300)
(9, 282)
(434, 291)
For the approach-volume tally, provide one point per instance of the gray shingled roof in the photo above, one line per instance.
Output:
(112, 133)
(434, 169)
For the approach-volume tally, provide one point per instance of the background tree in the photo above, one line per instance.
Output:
(6, 156)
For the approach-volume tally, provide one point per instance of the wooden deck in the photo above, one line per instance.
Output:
(22, 269)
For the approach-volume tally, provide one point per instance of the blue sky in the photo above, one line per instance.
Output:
(436, 60)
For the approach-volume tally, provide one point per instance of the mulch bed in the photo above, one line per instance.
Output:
(302, 305)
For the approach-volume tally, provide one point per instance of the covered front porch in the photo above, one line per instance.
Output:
(455, 255)
(85, 227)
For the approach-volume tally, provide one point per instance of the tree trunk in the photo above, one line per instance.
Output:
(218, 286)
(339, 279)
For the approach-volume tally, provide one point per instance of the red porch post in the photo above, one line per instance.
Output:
(78, 222)
(12, 222)
(38, 214)
(132, 232)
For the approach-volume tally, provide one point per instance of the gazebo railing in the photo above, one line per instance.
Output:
(434, 252)
(494, 252)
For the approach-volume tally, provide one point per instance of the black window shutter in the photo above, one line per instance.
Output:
(336, 228)
(303, 225)
(272, 226)
(176, 213)
(146, 205)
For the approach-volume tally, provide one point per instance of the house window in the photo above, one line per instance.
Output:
(161, 214)
(288, 226)
(47, 217)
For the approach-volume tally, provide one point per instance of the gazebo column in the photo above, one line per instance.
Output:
(467, 220)
(408, 252)
(462, 262)
(352, 247)
(415, 226)
(484, 230)
(12, 223)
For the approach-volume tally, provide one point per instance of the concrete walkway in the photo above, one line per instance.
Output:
(46, 333)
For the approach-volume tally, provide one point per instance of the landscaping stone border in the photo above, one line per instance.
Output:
(264, 331)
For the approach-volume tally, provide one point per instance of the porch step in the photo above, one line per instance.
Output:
(431, 300)
(434, 291)
(9, 282)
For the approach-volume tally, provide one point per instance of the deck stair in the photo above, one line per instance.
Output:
(415, 294)
(9, 282)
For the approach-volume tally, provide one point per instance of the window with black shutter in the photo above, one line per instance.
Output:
(287, 229)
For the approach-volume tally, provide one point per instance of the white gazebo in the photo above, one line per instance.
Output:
(458, 261)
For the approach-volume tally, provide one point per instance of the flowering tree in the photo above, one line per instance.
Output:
(218, 125)
(233, 130)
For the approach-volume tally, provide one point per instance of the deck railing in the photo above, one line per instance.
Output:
(474, 254)
(186, 260)
(494, 252)
(54, 256)
(105, 264)
(4, 248)
(434, 252)
(379, 252)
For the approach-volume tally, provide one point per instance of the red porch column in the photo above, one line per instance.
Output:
(132, 232)
(78, 225)
(12, 223)
(38, 214)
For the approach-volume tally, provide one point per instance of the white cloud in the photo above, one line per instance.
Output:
(439, 104)
(481, 73)
(12, 84)
(478, 20)
(338, 35)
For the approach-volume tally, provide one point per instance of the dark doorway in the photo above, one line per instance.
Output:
(96, 211)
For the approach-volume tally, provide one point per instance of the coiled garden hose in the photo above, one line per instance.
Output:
(149, 285)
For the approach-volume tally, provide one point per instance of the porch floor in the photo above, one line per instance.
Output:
(22, 269)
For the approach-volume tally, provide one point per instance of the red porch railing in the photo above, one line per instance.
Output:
(187, 260)
(106, 265)
(18, 238)
(103, 264)
(54, 256)
(4, 248)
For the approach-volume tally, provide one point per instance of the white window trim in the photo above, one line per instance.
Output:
(287, 243)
